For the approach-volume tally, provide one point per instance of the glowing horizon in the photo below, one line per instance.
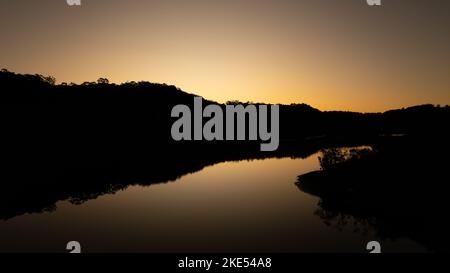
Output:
(332, 56)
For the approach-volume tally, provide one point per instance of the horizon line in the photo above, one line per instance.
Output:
(65, 83)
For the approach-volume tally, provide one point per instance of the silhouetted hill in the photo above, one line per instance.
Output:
(154, 101)
(53, 134)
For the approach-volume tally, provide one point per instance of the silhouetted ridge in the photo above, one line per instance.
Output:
(40, 89)
(119, 135)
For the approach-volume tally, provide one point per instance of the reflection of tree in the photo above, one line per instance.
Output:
(101, 134)
(94, 192)
(341, 220)
(394, 190)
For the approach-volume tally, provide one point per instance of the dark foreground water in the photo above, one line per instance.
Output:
(228, 207)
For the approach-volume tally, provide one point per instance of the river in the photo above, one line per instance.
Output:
(237, 206)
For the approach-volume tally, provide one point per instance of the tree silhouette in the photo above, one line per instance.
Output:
(103, 81)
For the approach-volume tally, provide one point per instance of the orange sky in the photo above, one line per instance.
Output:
(333, 55)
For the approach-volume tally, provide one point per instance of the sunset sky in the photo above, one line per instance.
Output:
(333, 55)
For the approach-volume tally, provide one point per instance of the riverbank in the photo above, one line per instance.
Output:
(398, 187)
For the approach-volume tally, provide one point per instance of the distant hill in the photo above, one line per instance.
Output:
(154, 101)
(69, 141)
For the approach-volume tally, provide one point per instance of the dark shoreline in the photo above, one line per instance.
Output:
(77, 142)
(399, 189)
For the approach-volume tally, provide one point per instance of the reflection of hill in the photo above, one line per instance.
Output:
(37, 192)
(79, 141)
(399, 190)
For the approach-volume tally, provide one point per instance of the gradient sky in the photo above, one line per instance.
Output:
(331, 54)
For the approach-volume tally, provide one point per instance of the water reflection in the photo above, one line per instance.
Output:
(233, 206)
(395, 190)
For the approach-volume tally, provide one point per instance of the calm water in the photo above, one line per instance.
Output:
(232, 206)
